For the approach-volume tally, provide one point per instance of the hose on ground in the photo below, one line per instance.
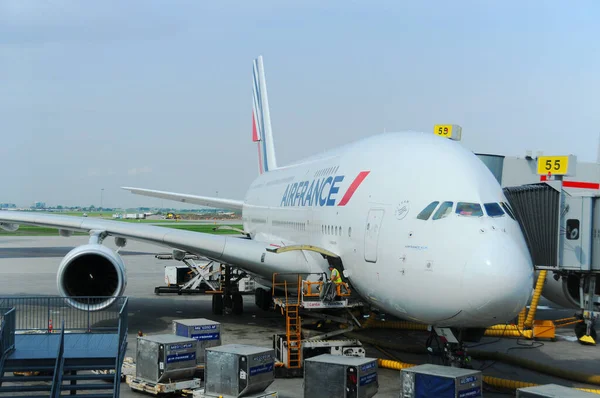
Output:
(386, 363)
(508, 384)
(504, 327)
(536, 366)
(522, 316)
(494, 356)
(526, 334)
(492, 381)
(536, 298)
(493, 331)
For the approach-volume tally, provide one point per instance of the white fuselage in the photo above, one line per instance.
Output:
(471, 271)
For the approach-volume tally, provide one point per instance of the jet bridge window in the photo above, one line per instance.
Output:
(572, 229)
(426, 212)
(444, 210)
(493, 209)
(469, 209)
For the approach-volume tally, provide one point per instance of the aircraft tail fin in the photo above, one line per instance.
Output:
(261, 119)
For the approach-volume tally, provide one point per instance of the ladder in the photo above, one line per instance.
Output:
(294, 336)
(293, 327)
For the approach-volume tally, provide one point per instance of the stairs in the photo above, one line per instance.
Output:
(294, 336)
(51, 364)
(51, 376)
(75, 377)
(293, 327)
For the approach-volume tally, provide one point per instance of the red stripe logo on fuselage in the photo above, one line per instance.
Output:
(353, 187)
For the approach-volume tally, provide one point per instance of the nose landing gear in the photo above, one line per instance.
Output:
(586, 329)
(449, 345)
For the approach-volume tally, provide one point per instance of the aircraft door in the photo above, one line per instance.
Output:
(372, 234)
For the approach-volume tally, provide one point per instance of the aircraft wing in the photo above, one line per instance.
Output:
(229, 204)
(244, 253)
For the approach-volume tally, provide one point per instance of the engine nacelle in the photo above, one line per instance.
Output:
(91, 270)
(9, 227)
(565, 291)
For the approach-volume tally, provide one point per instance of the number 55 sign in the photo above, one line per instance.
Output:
(557, 165)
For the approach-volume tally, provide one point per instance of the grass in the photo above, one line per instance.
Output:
(160, 221)
(108, 215)
(27, 230)
(80, 213)
(205, 229)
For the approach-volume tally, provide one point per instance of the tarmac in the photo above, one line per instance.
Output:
(28, 266)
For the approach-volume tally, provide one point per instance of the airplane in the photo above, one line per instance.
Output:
(418, 225)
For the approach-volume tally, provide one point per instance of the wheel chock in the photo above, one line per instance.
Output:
(588, 340)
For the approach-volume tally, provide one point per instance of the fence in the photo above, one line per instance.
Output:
(46, 314)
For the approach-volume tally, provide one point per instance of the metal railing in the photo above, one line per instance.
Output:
(35, 313)
(58, 366)
(286, 287)
(123, 329)
(41, 313)
(7, 330)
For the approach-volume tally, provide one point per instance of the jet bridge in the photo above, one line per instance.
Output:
(562, 230)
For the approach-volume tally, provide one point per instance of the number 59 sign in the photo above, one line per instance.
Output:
(556, 165)
(451, 131)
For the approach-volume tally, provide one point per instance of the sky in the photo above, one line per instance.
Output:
(157, 94)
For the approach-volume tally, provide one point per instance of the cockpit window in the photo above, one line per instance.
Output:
(508, 210)
(426, 212)
(493, 209)
(444, 210)
(469, 209)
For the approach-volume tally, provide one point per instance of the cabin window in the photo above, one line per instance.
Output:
(444, 210)
(469, 209)
(426, 212)
(493, 209)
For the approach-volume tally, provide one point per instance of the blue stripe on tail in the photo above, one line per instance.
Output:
(259, 116)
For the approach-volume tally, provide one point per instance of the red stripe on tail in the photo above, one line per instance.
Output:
(353, 187)
(254, 130)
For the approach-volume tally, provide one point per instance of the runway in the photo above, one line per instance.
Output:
(28, 266)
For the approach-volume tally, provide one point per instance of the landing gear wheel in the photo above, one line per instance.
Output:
(259, 297)
(227, 302)
(217, 304)
(238, 304)
(266, 300)
(262, 298)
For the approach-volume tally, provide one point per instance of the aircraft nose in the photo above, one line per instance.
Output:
(497, 281)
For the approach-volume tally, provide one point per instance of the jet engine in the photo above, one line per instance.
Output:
(565, 290)
(93, 271)
(9, 227)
